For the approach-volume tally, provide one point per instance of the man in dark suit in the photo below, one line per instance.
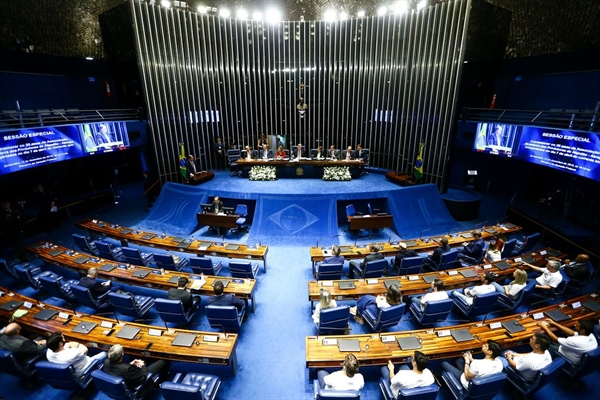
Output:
(402, 253)
(181, 294)
(578, 269)
(134, 372)
(97, 287)
(217, 205)
(333, 153)
(472, 249)
(360, 268)
(103, 136)
(435, 256)
(190, 165)
(265, 152)
(22, 347)
(335, 258)
(229, 299)
(348, 154)
(220, 154)
(299, 152)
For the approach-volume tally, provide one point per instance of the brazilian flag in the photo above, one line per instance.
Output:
(182, 167)
(419, 162)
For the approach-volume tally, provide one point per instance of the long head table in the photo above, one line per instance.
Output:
(155, 279)
(304, 168)
(418, 245)
(204, 350)
(415, 284)
(375, 350)
(131, 235)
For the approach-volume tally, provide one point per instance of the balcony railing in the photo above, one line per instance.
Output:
(17, 119)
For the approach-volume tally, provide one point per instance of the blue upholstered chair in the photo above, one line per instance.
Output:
(62, 376)
(85, 297)
(8, 269)
(85, 244)
(553, 294)
(233, 155)
(576, 285)
(31, 273)
(192, 386)
(243, 269)
(242, 211)
(55, 285)
(512, 303)
(24, 368)
(542, 377)
(480, 388)
(227, 318)
(328, 271)
(482, 304)
(350, 212)
(172, 310)
(128, 304)
(386, 318)
(333, 321)
(509, 247)
(421, 393)
(115, 387)
(328, 394)
(526, 244)
(170, 262)
(108, 251)
(590, 362)
(465, 261)
(447, 261)
(409, 265)
(373, 269)
(433, 312)
(136, 257)
(205, 265)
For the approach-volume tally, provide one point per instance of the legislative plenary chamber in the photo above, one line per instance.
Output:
(299, 200)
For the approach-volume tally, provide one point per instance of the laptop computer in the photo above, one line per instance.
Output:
(55, 252)
(429, 278)
(528, 260)
(591, 305)
(204, 245)
(127, 332)
(224, 282)
(513, 326)
(466, 235)
(344, 249)
(232, 247)
(11, 305)
(125, 231)
(142, 273)
(148, 236)
(101, 224)
(346, 285)
(81, 259)
(349, 345)
(409, 343)
(468, 273)
(178, 239)
(557, 315)
(461, 335)
(502, 265)
(183, 245)
(84, 327)
(38, 245)
(410, 243)
(553, 252)
(45, 314)
(491, 231)
(174, 279)
(107, 267)
(509, 226)
(390, 282)
(184, 339)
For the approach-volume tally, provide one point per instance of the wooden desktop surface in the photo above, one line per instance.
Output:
(304, 161)
(319, 355)
(370, 221)
(242, 288)
(220, 220)
(166, 242)
(415, 284)
(221, 352)
(389, 249)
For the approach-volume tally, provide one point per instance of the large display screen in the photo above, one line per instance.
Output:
(571, 151)
(26, 148)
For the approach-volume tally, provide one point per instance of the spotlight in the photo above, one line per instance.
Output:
(257, 16)
(343, 15)
(382, 11)
(241, 14)
(329, 15)
(273, 16)
(422, 4)
(224, 13)
(400, 7)
(202, 9)
(360, 13)
(165, 3)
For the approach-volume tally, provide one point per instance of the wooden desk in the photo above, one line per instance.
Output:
(101, 228)
(242, 288)
(378, 353)
(415, 284)
(222, 352)
(370, 222)
(390, 249)
(220, 220)
(303, 168)
(200, 177)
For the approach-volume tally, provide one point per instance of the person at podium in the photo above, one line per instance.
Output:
(217, 205)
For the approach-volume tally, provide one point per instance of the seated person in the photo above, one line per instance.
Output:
(347, 378)
(180, 293)
(472, 249)
(466, 368)
(217, 205)
(578, 341)
(407, 378)
(360, 268)
(335, 258)
(20, 346)
(333, 153)
(434, 257)
(437, 293)
(392, 297)
(265, 153)
(229, 299)
(550, 278)
(97, 287)
(62, 352)
(514, 287)
(280, 153)
(348, 154)
(578, 269)
(468, 294)
(403, 252)
(247, 154)
(319, 154)
(134, 372)
(362, 154)
(325, 302)
(493, 254)
(527, 364)
(299, 152)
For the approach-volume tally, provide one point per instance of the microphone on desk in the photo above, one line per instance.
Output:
(501, 219)
(73, 308)
(453, 229)
(164, 235)
(389, 239)
(166, 326)
(532, 305)
(116, 318)
(480, 224)
(422, 232)
(224, 331)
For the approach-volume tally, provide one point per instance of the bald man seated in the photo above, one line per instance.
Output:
(22, 348)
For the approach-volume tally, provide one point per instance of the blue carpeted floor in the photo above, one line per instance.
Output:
(271, 351)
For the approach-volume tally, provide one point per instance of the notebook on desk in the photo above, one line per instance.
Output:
(38, 245)
(142, 273)
(127, 332)
(84, 327)
(410, 243)
(204, 245)
(178, 239)
(346, 285)
(390, 282)
(174, 279)
(349, 345)
(429, 278)
(224, 282)
(183, 245)
(232, 247)
(553, 252)
(81, 259)
(528, 260)
(107, 267)
(502, 265)
(45, 314)
(491, 231)
(513, 326)
(344, 249)
(466, 235)
(55, 252)
(11, 305)
(468, 273)
(509, 226)
(148, 236)
(184, 339)
(591, 305)
(100, 224)
(409, 343)
(125, 231)
(557, 315)
(461, 335)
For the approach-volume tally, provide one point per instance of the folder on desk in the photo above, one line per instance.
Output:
(381, 214)
(148, 236)
(178, 239)
(468, 273)
(85, 327)
(491, 231)
(224, 282)
(513, 326)
(410, 243)
(45, 314)
(349, 345)
(502, 265)
(101, 224)
(509, 226)
(461, 335)
(107, 267)
(409, 343)
(55, 252)
(204, 245)
(81, 259)
(125, 231)
(11, 305)
(38, 245)
(174, 279)
(554, 252)
(184, 339)
(232, 247)
(557, 315)
(344, 249)
(466, 235)
(127, 332)
(528, 260)
(183, 245)
(591, 305)
(390, 282)
(142, 273)
(346, 285)
(429, 278)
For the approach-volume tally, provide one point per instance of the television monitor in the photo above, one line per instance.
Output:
(206, 208)
(229, 210)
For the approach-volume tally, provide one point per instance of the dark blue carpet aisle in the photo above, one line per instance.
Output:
(271, 349)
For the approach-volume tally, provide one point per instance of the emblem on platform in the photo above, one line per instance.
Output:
(293, 218)
(299, 171)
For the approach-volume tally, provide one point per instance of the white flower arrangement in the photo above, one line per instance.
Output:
(336, 174)
(266, 173)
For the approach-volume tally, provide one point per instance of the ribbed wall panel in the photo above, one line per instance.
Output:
(388, 83)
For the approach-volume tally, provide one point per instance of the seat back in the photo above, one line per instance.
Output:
(486, 387)
(172, 310)
(241, 269)
(419, 393)
(112, 386)
(23, 369)
(165, 261)
(434, 311)
(483, 303)
(580, 284)
(85, 297)
(241, 210)
(411, 265)
(333, 320)
(28, 273)
(330, 272)
(106, 250)
(509, 247)
(202, 265)
(8, 269)
(55, 285)
(84, 244)
(387, 318)
(133, 256)
(225, 317)
(547, 374)
(194, 386)
(350, 211)
(555, 293)
(330, 394)
(520, 298)
(375, 269)
(60, 376)
(124, 303)
(530, 242)
(448, 260)
(590, 362)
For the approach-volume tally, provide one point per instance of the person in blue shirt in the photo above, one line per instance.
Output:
(335, 258)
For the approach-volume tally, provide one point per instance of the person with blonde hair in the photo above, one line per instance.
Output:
(392, 297)
(324, 303)
(514, 287)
